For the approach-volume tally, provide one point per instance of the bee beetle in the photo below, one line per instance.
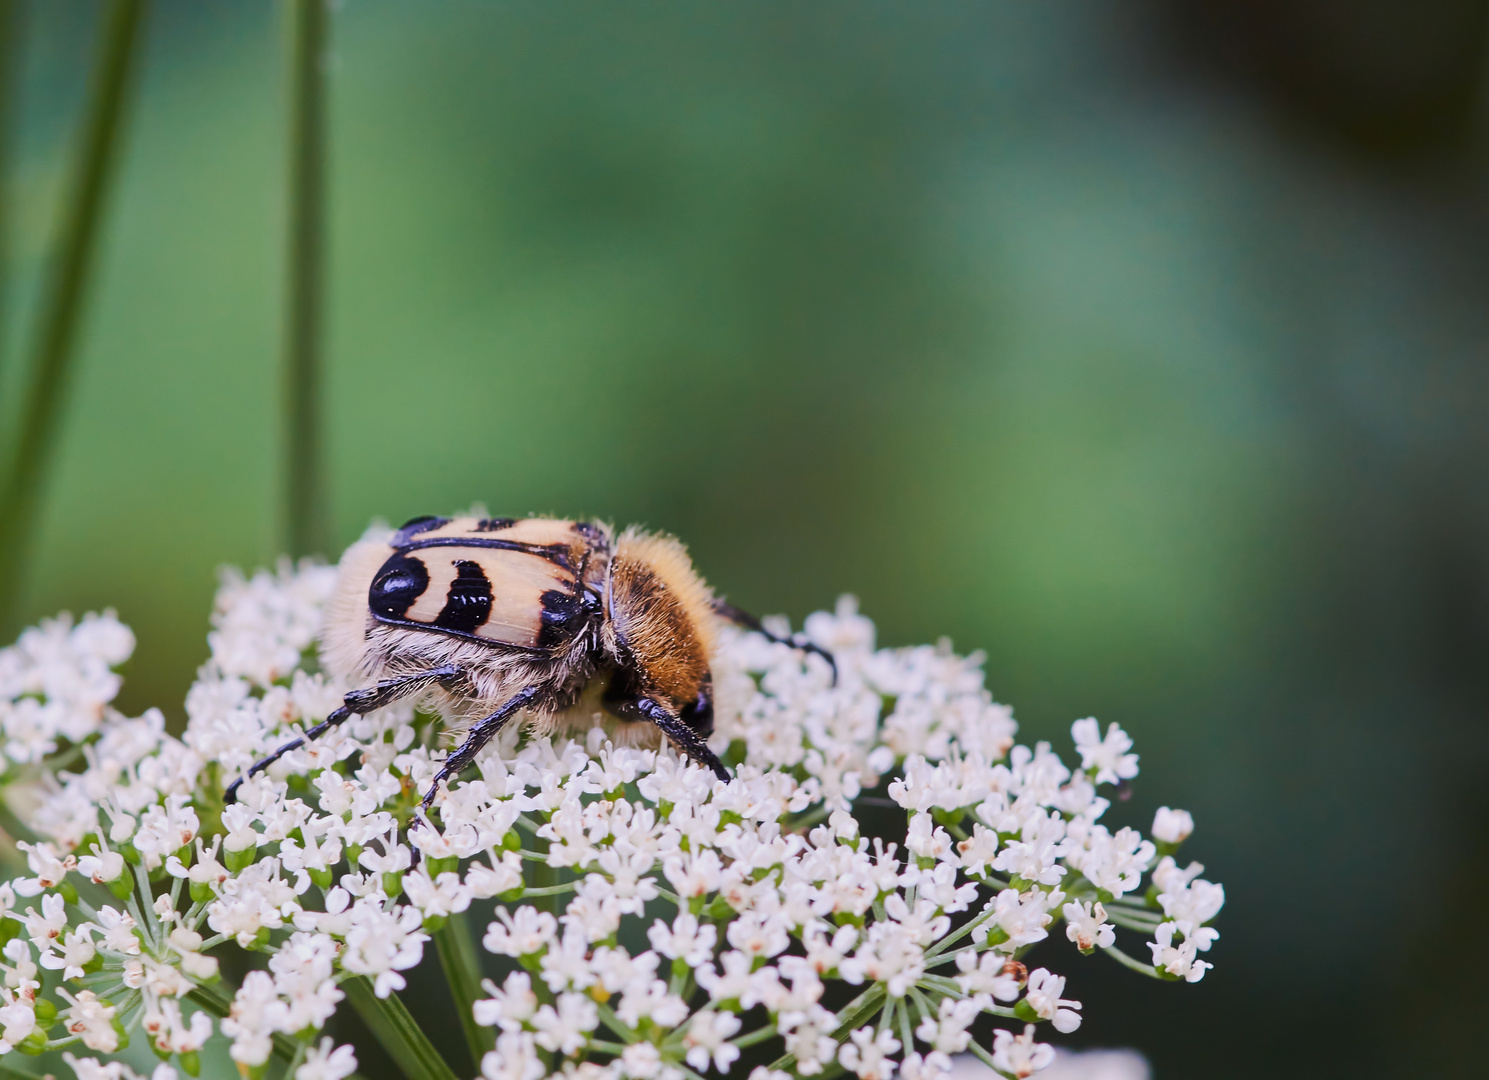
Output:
(481, 618)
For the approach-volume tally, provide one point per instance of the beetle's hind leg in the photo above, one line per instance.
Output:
(796, 641)
(356, 703)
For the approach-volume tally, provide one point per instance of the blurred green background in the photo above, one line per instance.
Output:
(1143, 346)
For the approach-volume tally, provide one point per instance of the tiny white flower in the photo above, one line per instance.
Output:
(508, 1007)
(1172, 826)
(869, 1055)
(988, 973)
(684, 940)
(641, 1061)
(1177, 959)
(443, 896)
(1021, 916)
(323, 1063)
(1043, 996)
(515, 1058)
(933, 1066)
(89, 1068)
(528, 932)
(102, 866)
(74, 951)
(91, 1019)
(1107, 755)
(565, 1028)
(1019, 1055)
(706, 1040)
(948, 1033)
(1086, 925)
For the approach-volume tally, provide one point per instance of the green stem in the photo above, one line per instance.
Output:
(462, 967)
(808, 819)
(987, 1059)
(67, 285)
(402, 1038)
(1129, 962)
(960, 932)
(607, 1047)
(906, 1035)
(143, 902)
(550, 890)
(1119, 918)
(754, 1037)
(306, 519)
(848, 1018)
(13, 827)
(10, 55)
(922, 1004)
(299, 1056)
(615, 1024)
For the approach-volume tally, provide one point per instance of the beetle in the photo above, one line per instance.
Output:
(481, 618)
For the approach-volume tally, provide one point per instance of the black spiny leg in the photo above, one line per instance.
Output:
(479, 735)
(796, 641)
(357, 703)
(683, 737)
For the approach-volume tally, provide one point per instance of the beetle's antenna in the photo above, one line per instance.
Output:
(796, 641)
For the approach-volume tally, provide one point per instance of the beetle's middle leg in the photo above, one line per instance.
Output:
(479, 735)
(356, 703)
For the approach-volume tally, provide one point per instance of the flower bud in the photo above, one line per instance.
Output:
(1172, 826)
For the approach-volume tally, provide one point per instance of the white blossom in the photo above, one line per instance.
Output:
(1043, 997)
(324, 1063)
(705, 1040)
(1172, 826)
(566, 1027)
(515, 1058)
(868, 1055)
(759, 893)
(509, 1006)
(1086, 925)
(91, 1018)
(1020, 1055)
(1176, 958)
(1107, 755)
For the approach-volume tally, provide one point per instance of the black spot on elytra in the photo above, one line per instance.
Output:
(414, 526)
(468, 602)
(495, 524)
(400, 582)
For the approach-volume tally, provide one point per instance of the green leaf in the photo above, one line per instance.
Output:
(67, 281)
(401, 1037)
(462, 966)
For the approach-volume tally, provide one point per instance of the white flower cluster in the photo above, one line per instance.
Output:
(56, 683)
(776, 931)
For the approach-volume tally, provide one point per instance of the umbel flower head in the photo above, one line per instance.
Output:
(645, 920)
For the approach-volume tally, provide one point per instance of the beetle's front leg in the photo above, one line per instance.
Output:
(356, 703)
